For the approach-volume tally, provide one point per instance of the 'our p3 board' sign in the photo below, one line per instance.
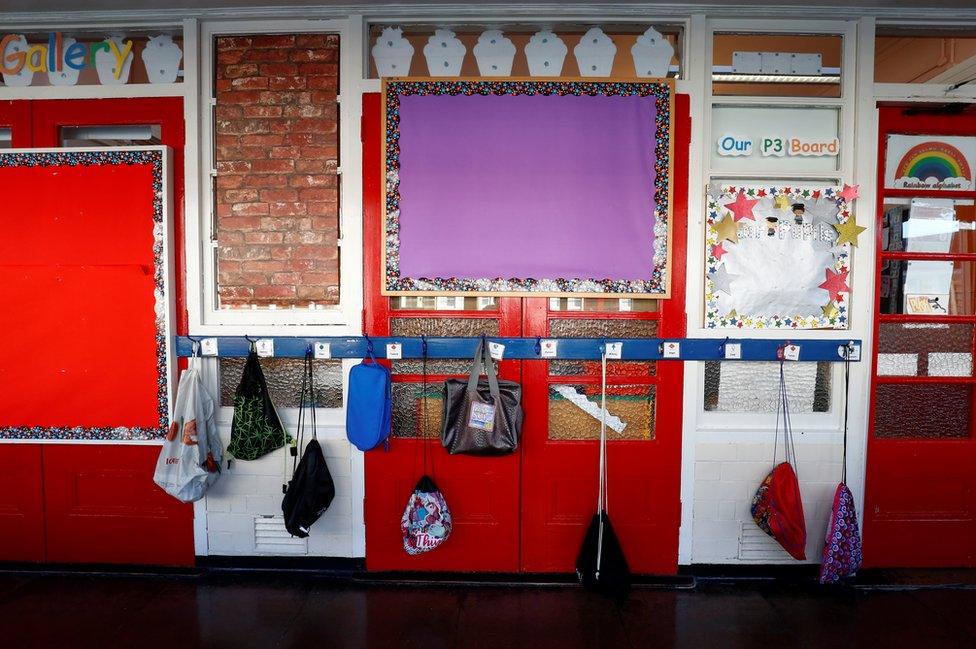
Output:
(777, 146)
(54, 56)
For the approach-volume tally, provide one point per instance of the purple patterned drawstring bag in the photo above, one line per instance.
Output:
(842, 545)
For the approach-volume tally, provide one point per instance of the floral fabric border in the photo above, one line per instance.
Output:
(98, 158)
(658, 284)
(721, 206)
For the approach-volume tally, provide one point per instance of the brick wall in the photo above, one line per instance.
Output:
(276, 156)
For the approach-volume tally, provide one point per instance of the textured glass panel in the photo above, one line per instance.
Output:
(430, 303)
(284, 377)
(922, 411)
(950, 364)
(434, 366)
(437, 327)
(948, 346)
(603, 304)
(601, 328)
(897, 364)
(408, 406)
(633, 404)
(754, 387)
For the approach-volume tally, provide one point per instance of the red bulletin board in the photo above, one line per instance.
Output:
(84, 284)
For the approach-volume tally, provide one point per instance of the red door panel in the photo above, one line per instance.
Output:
(559, 477)
(16, 116)
(103, 507)
(920, 491)
(48, 116)
(21, 503)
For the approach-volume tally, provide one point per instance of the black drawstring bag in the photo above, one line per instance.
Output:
(601, 565)
(311, 489)
(256, 429)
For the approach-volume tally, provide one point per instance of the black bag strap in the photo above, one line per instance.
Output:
(306, 409)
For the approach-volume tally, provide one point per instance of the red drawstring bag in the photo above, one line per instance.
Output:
(777, 507)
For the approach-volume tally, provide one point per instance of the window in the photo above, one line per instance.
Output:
(788, 65)
(905, 55)
(6, 136)
(127, 135)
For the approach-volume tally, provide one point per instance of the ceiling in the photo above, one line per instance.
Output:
(65, 6)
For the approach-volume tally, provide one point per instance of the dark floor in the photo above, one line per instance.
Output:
(238, 611)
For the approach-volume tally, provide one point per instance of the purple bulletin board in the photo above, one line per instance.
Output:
(527, 187)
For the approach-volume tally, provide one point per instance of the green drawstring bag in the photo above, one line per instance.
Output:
(256, 430)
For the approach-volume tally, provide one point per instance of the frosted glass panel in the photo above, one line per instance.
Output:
(754, 387)
(437, 327)
(632, 404)
(922, 411)
(925, 349)
(408, 406)
(284, 377)
(601, 328)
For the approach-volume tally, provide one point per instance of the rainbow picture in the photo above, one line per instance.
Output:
(937, 160)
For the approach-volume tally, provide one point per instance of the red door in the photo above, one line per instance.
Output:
(920, 503)
(95, 503)
(527, 511)
(559, 458)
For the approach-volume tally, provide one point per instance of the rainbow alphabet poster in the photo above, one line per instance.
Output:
(930, 162)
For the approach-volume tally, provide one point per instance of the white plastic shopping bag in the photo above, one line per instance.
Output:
(189, 461)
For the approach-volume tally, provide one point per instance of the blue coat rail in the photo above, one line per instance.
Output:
(664, 349)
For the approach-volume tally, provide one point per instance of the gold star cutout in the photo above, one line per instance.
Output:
(727, 230)
(848, 232)
(781, 202)
(830, 311)
(732, 314)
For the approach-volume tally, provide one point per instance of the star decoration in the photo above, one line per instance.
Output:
(761, 193)
(727, 230)
(742, 207)
(830, 311)
(816, 195)
(848, 231)
(718, 251)
(715, 192)
(781, 202)
(849, 193)
(722, 279)
(732, 315)
(835, 283)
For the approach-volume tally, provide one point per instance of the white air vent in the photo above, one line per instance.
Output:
(756, 545)
(271, 537)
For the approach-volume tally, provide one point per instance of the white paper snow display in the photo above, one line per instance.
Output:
(25, 76)
(162, 59)
(652, 54)
(545, 53)
(495, 54)
(594, 54)
(107, 60)
(444, 54)
(392, 53)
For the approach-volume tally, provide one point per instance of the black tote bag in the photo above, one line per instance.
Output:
(481, 416)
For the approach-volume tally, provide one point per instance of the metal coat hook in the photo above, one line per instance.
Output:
(423, 345)
(721, 347)
(369, 345)
(252, 341)
(538, 346)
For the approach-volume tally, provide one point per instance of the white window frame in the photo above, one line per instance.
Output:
(345, 318)
(750, 426)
